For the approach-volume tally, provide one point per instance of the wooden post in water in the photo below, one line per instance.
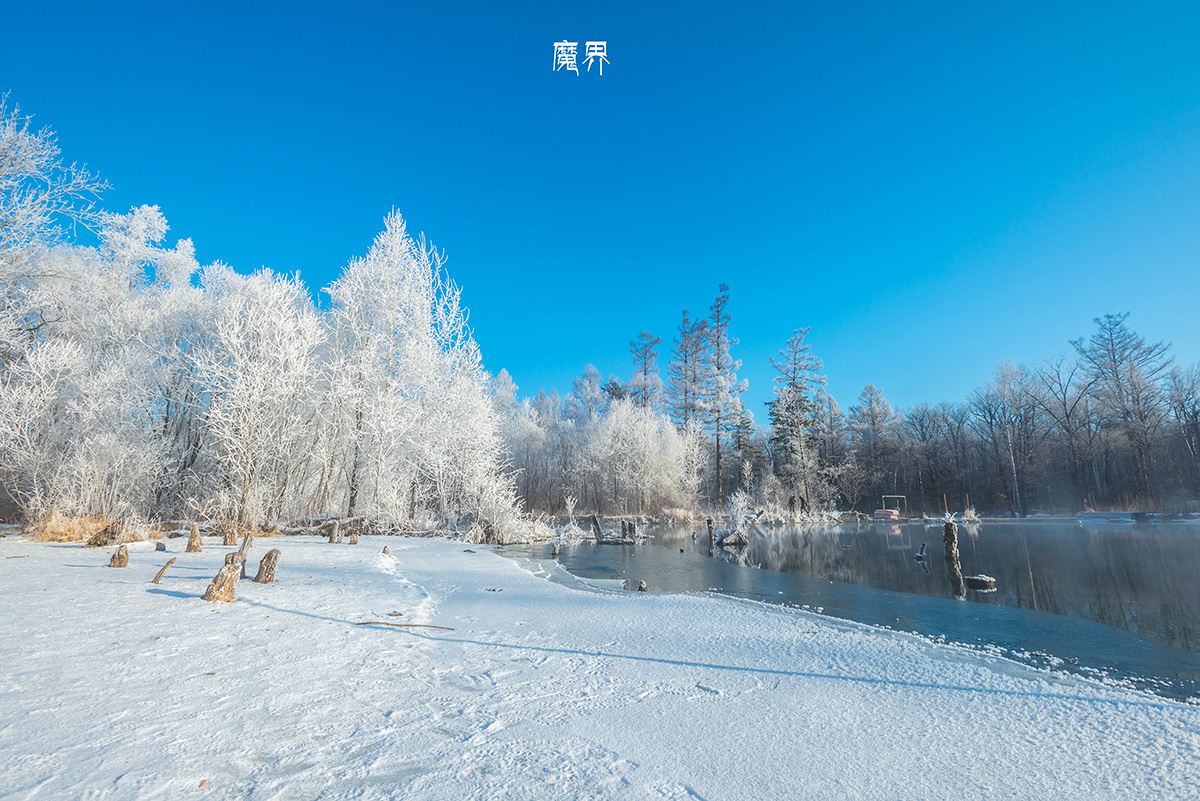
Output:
(953, 568)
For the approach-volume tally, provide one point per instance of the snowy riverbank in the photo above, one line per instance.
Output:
(113, 687)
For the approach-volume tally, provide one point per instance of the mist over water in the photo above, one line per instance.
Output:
(1117, 601)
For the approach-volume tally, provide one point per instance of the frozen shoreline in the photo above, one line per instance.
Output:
(113, 687)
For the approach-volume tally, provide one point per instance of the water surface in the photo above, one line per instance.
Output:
(1119, 602)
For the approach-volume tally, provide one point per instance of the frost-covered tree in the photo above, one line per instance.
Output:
(721, 398)
(793, 414)
(1128, 370)
(685, 372)
(38, 194)
(646, 387)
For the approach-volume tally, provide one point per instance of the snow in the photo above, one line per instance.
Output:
(111, 687)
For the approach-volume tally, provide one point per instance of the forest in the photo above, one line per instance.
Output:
(136, 383)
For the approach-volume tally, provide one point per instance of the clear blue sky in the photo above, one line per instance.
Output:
(931, 187)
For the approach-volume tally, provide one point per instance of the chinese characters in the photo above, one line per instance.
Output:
(566, 56)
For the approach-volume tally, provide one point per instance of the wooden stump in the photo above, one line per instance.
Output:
(222, 585)
(158, 576)
(239, 559)
(953, 568)
(354, 536)
(193, 545)
(335, 533)
(120, 558)
(230, 535)
(596, 529)
(247, 542)
(266, 568)
(386, 550)
(642, 586)
(160, 546)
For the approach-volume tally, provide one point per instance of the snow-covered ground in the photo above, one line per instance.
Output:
(113, 687)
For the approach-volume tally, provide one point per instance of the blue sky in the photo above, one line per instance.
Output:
(931, 187)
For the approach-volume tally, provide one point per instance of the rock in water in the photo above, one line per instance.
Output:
(266, 568)
(160, 546)
(120, 558)
(222, 585)
(158, 576)
(981, 582)
(193, 545)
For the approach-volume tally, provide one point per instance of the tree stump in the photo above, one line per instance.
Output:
(193, 545)
(158, 576)
(239, 559)
(354, 536)
(266, 568)
(230, 535)
(222, 585)
(642, 586)
(953, 568)
(160, 545)
(386, 550)
(596, 529)
(120, 558)
(247, 541)
(335, 533)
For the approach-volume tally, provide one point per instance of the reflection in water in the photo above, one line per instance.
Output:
(1138, 579)
(1143, 580)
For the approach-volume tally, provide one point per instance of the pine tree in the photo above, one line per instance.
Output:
(722, 390)
(793, 412)
(685, 371)
(645, 388)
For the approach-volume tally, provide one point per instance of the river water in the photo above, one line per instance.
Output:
(1110, 601)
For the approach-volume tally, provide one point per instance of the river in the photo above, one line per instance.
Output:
(1117, 602)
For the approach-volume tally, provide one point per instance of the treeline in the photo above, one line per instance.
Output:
(1114, 424)
(136, 383)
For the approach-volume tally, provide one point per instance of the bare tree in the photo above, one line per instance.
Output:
(37, 193)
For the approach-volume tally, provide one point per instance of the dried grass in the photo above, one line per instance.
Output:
(56, 527)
